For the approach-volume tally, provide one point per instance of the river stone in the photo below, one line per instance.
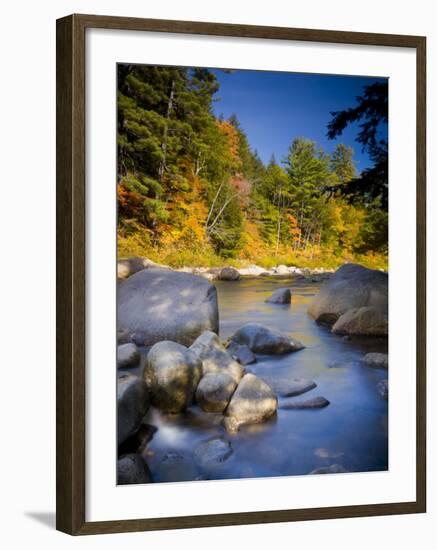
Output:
(229, 274)
(130, 266)
(351, 287)
(172, 373)
(364, 321)
(132, 405)
(313, 403)
(241, 353)
(261, 339)
(280, 296)
(378, 360)
(212, 452)
(253, 401)
(214, 391)
(282, 270)
(214, 356)
(131, 469)
(288, 387)
(175, 465)
(157, 304)
(333, 469)
(382, 387)
(123, 336)
(127, 356)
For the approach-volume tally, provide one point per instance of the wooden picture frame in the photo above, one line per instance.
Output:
(71, 248)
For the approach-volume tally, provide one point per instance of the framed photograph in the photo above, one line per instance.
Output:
(231, 348)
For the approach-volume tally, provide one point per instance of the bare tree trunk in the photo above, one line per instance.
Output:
(213, 203)
(165, 135)
(279, 223)
(208, 229)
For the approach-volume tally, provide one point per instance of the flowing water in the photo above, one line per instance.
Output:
(352, 431)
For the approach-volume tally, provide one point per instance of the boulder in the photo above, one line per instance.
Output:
(280, 296)
(261, 339)
(333, 469)
(127, 356)
(131, 469)
(382, 387)
(212, 452)
(351, 287)
(130, 266)
(132, 405)
(214, 357)
(288, 387)
(156, 304)
(313, 403)
(364, 321)
(241, 353)
(378, 360)
(214, 391)
(172, 373)
(251, 270)
(253, 402)
(229, 274)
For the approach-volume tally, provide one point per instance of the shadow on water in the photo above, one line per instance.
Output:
(351, 431)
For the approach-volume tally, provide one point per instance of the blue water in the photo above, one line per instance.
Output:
(352, 431)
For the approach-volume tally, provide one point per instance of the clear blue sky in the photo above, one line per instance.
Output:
(273, 108)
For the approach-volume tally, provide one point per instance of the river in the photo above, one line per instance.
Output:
(352, 431)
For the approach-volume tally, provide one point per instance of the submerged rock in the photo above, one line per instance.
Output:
(214, 391)
(132, 469)
(351, 287)
(261, 339)
(212, 452)
(288, 387)
(280, 296)
(214, 356)
(241, 353)
(157, 304)
(378, 360)
(127, 355)
(253, 401)
(229, 274)
(382, 387)
(365, 321)
(172, 373)
(333, 469)
(313, 403)
(132, 405)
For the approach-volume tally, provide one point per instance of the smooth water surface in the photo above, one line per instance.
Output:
(351, 431)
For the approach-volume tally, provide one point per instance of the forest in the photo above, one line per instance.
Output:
(191, 190)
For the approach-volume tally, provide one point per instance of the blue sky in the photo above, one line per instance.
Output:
(274, 108)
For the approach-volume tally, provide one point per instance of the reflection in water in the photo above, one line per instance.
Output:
(351, 431)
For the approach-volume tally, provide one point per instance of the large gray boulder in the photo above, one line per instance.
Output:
(131, 469)
(212, 452)
(252, 402)
(127, 355)
(172, 373)
(214, 356)
(261, 339)
(364, 321)
(157, 304)
(280, 296)
(351, 287)
(132, 405)
(214, 391)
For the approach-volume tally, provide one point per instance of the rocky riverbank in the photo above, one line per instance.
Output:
(171, 317)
